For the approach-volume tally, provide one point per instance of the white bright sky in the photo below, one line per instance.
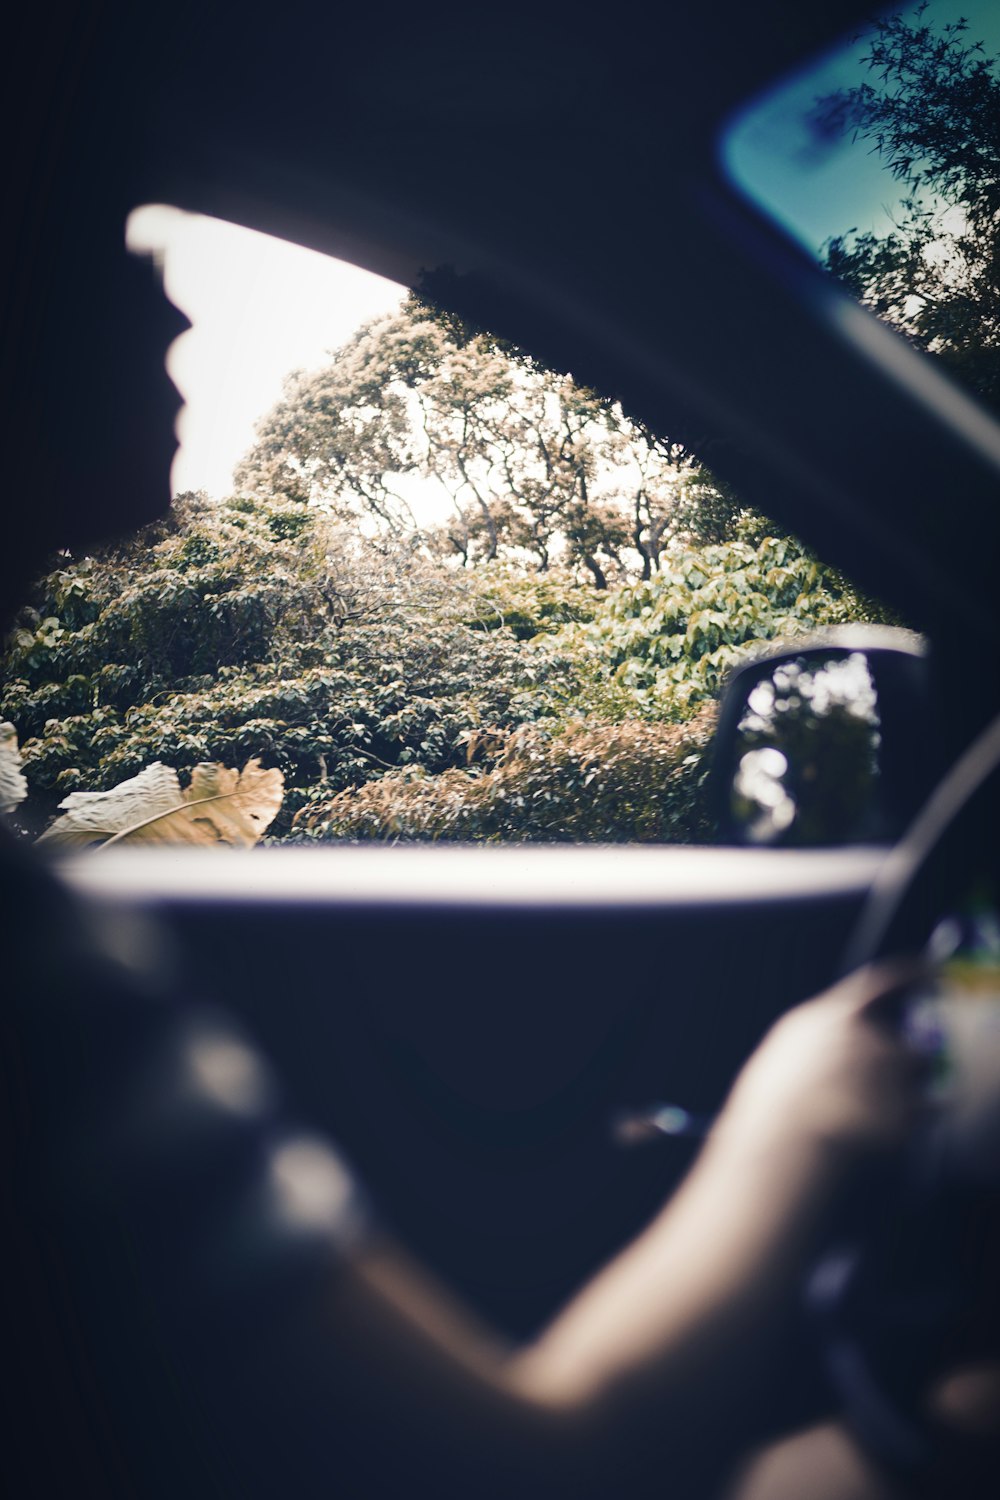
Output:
(260, 309)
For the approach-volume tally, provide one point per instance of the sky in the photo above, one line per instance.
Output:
(260, 308)
(818, 191)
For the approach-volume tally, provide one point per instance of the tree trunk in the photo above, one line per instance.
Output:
(600, 582)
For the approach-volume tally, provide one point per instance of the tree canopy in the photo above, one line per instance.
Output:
(518, 461)
(930, 106)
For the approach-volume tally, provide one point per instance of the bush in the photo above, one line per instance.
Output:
(399, 697)
(659, 650)
(253, 628)
(582, 781)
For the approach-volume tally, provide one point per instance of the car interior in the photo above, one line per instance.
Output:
(469, 1023)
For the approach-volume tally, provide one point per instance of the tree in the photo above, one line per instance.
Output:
(529, 464)
(931, 107)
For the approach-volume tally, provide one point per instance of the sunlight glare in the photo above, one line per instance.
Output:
(260, 308)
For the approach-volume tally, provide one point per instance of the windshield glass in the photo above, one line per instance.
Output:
(883, 160)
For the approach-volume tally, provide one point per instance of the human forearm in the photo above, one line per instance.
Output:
(704, 1297)
(694, 1321)
(697, 1306)
(678, 1330)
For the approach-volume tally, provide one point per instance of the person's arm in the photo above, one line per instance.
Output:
(675, 1343)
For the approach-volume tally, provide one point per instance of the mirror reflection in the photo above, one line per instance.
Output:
(807, 763)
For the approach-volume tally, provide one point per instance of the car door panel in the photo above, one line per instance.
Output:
(468, 1036)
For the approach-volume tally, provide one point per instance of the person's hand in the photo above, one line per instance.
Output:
(834, 1072)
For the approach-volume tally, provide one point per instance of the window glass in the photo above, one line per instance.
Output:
(435, 592)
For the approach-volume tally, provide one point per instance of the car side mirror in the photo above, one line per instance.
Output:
(824, 741)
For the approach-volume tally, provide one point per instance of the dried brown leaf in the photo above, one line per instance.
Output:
(220, 806)
(13, 787)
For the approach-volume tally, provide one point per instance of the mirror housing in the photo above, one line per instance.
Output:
(824, 740)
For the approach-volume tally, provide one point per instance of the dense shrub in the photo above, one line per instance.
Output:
(398, 696)
(259, 629)
(658, 650)
(583, 780)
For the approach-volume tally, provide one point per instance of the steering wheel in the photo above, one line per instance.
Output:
(918, 878)
(906, 1295)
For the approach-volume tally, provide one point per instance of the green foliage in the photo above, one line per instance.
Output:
(931, 107)
(530, 604)
(398, 697)
(658, 650)
(257, 628)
